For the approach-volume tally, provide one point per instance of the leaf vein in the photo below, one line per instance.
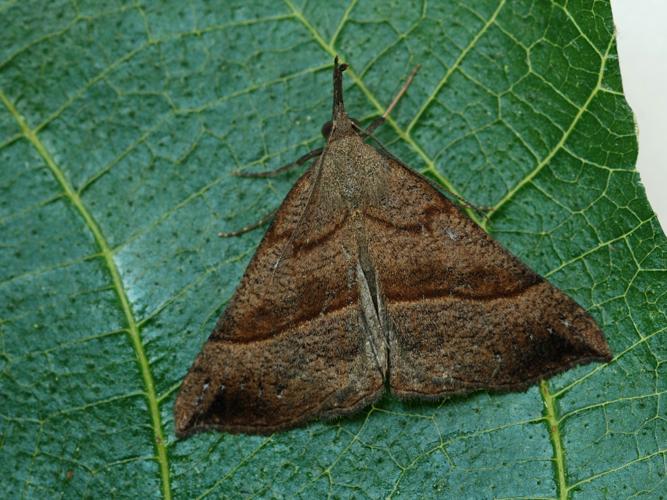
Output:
(105, 250)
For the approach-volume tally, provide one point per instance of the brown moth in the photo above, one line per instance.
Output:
(370, 280)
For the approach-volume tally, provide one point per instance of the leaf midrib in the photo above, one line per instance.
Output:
(107, 255)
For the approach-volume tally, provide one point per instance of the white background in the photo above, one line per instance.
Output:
(641, 28)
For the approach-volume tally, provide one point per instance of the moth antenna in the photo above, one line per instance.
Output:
(380, 120)
(401, 92)
(338, 106)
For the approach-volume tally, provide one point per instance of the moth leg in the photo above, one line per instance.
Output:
(380, 120)
(248, 228)
(285, 168)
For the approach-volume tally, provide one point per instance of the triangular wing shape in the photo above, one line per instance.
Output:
(292, 344)
(463, 313)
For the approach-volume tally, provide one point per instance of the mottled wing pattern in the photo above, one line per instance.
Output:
(464, 313)
(290, 346)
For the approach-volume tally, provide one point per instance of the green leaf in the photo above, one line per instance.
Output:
(120, 124)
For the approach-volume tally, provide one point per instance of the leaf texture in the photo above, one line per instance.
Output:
(120, 126)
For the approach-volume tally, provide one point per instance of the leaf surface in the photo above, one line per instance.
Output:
(120, 126)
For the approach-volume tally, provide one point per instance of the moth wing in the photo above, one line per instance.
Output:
(464, 313)
(290, 345)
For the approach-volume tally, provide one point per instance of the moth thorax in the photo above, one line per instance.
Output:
(357, 171)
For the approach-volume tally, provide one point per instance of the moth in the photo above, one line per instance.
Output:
(369, 280)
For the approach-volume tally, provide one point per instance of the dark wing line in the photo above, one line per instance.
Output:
(305, 247)
(439, 294)
(432, 295)
(410, 228)
(292, 326)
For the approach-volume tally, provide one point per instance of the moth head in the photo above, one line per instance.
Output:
(328, 126)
